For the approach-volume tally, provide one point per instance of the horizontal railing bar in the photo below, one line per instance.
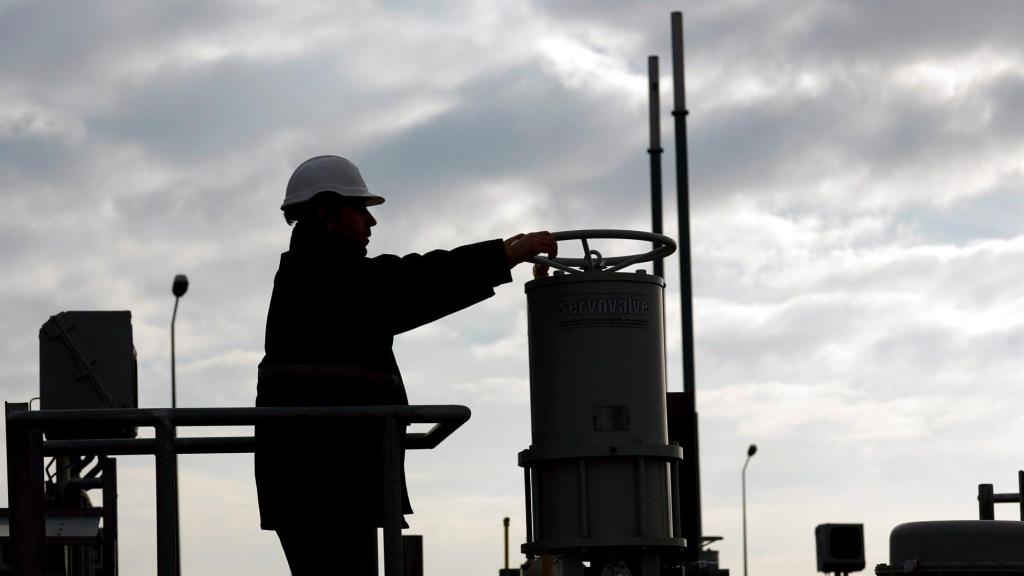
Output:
(127, 446)
(202, 445)
(48, 419)
(219, 445)
(430, 439)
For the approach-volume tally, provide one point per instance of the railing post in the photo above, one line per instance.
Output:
(391, 464)
(25, 495)
(1020, 492)
(168, 556)
(109, 516)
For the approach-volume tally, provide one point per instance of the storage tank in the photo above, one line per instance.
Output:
(963, 547)
(600, 473)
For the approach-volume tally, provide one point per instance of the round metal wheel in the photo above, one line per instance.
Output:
(593, 261)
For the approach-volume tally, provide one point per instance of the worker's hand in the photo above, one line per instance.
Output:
(522, 247)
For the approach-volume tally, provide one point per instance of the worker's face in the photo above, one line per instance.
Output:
(350, 220)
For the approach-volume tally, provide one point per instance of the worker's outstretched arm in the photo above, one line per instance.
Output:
(427, 287)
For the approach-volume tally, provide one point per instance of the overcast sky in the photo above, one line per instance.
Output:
(857, 209)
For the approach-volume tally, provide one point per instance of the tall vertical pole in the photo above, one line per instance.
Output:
(655, 151)
(691, 462)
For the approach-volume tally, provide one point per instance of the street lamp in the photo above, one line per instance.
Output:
(178, 288)
(750, 453)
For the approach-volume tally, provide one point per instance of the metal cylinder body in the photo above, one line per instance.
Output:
(600, 463)
(597, 360)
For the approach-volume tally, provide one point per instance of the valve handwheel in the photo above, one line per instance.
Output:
(593, 261)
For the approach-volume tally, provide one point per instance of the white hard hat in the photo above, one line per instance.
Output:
(327, 174)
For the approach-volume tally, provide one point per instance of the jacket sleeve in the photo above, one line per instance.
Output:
(421, 288)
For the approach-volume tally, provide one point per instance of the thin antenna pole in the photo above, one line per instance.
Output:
(655, 151)
(691, 463)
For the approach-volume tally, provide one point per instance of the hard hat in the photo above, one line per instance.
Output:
(327, 174)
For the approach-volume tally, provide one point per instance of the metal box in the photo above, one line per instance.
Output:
(840, 547)
(87, 360)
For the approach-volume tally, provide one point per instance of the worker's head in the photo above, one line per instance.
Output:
(328, 192)
(345, 217)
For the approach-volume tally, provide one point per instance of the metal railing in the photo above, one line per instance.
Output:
(988, 498)
(26, 449)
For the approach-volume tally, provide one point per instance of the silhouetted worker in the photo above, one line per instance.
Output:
(332, 319)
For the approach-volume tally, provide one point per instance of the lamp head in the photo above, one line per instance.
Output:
(752, 450)
(180, 285)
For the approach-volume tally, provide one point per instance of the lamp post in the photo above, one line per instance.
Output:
(505, 523)
(750, 453)
(179, 287)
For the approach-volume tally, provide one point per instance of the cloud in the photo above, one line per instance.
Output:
(855, 196)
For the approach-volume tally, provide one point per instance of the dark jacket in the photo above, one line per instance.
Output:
(334, 307)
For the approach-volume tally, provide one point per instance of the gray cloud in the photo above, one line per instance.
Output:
(856, 206)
